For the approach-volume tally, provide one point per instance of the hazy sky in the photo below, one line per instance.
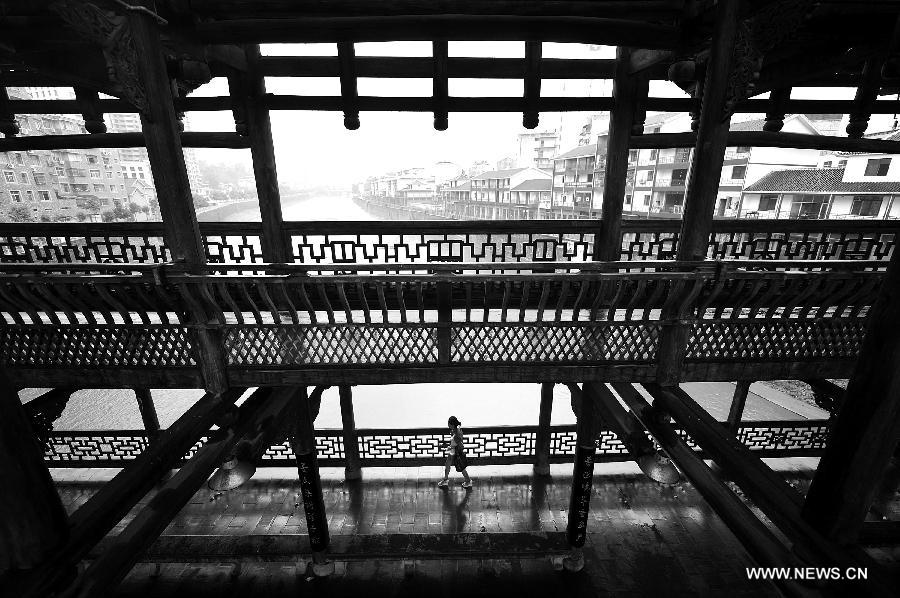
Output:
(314, 148)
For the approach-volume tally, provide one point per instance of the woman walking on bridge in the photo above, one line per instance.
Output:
(456, 454)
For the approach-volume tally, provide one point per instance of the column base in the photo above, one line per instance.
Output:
(354, 473)
(543, 469)
(321, 566)
(575, 561)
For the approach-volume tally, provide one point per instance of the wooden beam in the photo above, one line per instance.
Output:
(349, 93)
(608, 241)
(768, 490)
(148, 412)
(542, 436)
(114, 140)
(613, 416)
(573, 29)
(262, 411)
(352, 468)
(440, 83)
(764, 547)
(31, 515)
(304, 445)
(531, 116)
(865, 434)
(163, 138)
(248, 89)
(738, 400)
(93, 520)
(712, 137)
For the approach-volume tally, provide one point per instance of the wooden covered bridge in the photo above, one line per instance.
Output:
(619, 310)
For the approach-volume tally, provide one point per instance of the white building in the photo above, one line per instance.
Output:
(536, 149)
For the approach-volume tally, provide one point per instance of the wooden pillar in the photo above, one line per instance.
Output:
(531, 116)
(608, 242)
(867, 427)
(148, 412)
(353, 468)
(738, 400)
(712, 137)
(253, 121)
(160, 125)
(32, 518)
(582, 479)
(440, 84)
(304, 444)
(542, 438)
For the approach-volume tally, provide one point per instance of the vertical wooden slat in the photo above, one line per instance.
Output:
(304, 445)
(440, 84)
(148, 412)
(778, 99)
(738, 400)
(533, 51)
(608, 241)
(353, 467)
(349, 94)
(866, 94)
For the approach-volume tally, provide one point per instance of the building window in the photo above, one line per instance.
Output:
(768, 202)
(19, 159)
(65, 187)
(60, 171)
(95, 174)
(878, 167)
(108, 174)
(841, 163)
(10, 176)
(738, 172)
(653, 154)
(632, 155)
(742, 149)
(865, 205)
(16, 196)
(99, 188)
(92, 159)
(827, 164)
(40, 178)
(29, 195)
(44, 195)
(23, 177)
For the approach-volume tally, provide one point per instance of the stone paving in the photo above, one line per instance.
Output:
(643, 539)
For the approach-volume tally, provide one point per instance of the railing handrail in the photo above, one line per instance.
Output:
(333, 227)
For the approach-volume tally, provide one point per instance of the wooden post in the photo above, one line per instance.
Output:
(31, 515)
(542, 438)
(741, 388)
(252, 117)
(440, 84)
(712, 136)
(608, 242)
(353, 468)
(93, 117)
(304, 443)
(582, 479)
(160, 126)
(148, 412)
(445, 321)
(867, 428)
(533, 52)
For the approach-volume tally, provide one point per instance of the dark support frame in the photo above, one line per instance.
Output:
(542, 438)
(353, 468)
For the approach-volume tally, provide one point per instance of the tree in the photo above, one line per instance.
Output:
(19, 213)
(91, 205)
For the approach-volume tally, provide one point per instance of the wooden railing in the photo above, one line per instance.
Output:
(437, 241)
(740, 317)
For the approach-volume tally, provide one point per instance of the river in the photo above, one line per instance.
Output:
(388, 406)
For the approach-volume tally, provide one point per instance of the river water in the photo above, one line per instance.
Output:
(388, 406)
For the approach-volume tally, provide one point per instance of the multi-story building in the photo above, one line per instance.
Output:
(491, 194)
(536, 149)
(574, 189)
(845, 186)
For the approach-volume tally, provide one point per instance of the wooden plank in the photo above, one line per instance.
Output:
(113, 140)
(867, 428)
(31, 515)
(608, 241)
(262, 411)
(353, 469)
(249, 88)
(113, 500)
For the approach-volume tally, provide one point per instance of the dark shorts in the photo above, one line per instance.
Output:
(459, 461)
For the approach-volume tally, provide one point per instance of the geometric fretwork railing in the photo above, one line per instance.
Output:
(428, 242)
(417, 447)
(296, 317)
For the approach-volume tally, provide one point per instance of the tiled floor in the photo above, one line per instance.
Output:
(643, 539)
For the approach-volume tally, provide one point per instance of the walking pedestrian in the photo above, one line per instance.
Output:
(456, 454)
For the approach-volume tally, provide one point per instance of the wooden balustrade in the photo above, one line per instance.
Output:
(740, 315)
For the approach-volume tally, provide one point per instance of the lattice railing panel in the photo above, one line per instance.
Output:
(801, 246)
(649, 245)
(773, 340)
(331, 345)
(233, 249)
(632, 342)
(90, 248)
(504, 444)
(89, 346)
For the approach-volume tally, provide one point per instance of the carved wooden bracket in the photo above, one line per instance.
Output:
(111, 32)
